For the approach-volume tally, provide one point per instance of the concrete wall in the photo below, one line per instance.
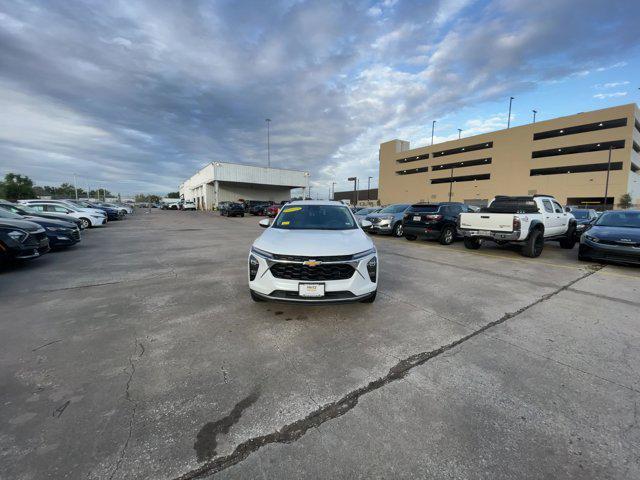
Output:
(512, 162)
(232, 192)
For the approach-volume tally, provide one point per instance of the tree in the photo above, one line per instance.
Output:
(16, 186)
(173, 195)
(625, 201)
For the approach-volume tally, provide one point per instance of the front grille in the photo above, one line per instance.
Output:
(35, 238)
(296, 271)
(620, 244)
(327, 295)
(293, 258)
(76, 235)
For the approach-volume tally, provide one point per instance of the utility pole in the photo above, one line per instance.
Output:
(606, 188)
(433, 128)
(534, 115)
(451, 184)
(369, 188)
(459, 133)
(509, 119)
(75, 186)
(355, 186)
(333, 190)
(268, 120)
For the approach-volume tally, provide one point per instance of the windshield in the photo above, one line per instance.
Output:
(315, 217)
(619, 219)
(424, 208)
(581, 214)
(6, 214)
(364, 211)
(394, 209)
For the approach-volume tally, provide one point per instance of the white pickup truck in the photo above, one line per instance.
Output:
(527, 221)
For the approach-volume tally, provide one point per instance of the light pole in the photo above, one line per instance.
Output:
(355, 186)
(606, 187)
(459, 133)
(451, 184)
(268, 121)
(509, 118)
(75, 186)
(433, 128)
(333, 190)
(369, 188)
(534, 115)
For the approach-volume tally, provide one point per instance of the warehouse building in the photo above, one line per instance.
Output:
(358, 197)
(219, 182)
(567, 157)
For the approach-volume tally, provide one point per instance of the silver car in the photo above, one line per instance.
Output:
(362, 213)
(388, 220)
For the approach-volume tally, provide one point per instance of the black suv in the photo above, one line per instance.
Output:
(436, 221)
(22, 240)
(231, 209)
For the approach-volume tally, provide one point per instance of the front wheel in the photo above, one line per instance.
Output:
(370, 299)
(471, 243)
(242, 215)
(535, 244)
(410, 237)
(447, 236)
(85, 223)
(398, 230)
(569, 241)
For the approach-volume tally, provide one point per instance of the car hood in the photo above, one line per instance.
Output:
(21, 224)
(47, 222)
(311, 243)
(614, 233)
(381, 215)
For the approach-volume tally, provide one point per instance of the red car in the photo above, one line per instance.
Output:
(272, 210)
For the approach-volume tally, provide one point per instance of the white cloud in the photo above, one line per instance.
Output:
(603, 96)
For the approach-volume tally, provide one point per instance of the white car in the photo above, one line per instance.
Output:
(77, 205)
(88, 218)
(188, 205)
(314, 252)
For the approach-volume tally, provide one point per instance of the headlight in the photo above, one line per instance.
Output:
(363, 254)
(580, 226)
(18, 235)
(56, 229)
(372, 268)
(592, 239)
(254, 265)
(261, 253)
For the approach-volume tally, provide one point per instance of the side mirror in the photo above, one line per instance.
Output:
(264, 223)
(567, 209)
(365, 224)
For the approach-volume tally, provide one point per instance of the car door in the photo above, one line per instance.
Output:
(550, 220)
(562, 218)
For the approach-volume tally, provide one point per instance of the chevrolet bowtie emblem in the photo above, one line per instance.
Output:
(311, 263)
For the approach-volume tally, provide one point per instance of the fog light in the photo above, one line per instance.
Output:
(253, 267)
(372, 268)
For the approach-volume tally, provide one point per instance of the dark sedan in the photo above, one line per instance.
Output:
(59, 233)
(584, 218)
(112, 213)
(232, 209)
(260, 209)
(614, 237)
(21, 209)
(22, 240)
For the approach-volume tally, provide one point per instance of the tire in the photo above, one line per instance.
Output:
(471, 243)
(410, 237)
(570, 240)
(447, 236)
(398, 230)
(85, 223)
(370, 299)
(535, 244)
(242, 215)
(255, 297)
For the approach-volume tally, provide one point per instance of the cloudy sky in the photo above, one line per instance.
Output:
(140, 94)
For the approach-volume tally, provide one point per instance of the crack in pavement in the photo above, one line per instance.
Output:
(134, 407)
(295, 430)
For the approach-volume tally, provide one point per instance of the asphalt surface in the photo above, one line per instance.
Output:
(139, 354)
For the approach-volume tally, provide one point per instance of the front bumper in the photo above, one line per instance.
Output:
(384, 227)
(490, 235)
(63, 238)
(610, 253)
(98, 221)
(32, 248)
(356, 288)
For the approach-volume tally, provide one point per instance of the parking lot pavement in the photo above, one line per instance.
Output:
(139, 354)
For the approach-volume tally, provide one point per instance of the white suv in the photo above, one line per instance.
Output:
(314, 252)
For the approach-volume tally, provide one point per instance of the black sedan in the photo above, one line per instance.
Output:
(22, 240)
(59, 233)
(584, 218)
(614, 237)
(232, 209)
(260, 209)
(20, 209)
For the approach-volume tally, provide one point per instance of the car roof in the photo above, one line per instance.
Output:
(316, 202)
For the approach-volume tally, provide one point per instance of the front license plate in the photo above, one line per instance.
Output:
(417, 219)
(311, 289)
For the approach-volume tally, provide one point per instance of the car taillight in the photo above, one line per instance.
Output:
(434, 217)
(516, 223)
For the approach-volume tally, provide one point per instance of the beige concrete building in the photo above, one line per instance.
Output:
(566, 157)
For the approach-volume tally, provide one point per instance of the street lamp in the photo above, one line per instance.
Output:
(333, 190)
(268, 121)
(534, 115)
(459, 133)
(509, 118)
(606, 188)
(433, 128)
(368, 188)
(355, 191)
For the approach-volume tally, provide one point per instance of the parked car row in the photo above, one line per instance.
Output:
(31, 228)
